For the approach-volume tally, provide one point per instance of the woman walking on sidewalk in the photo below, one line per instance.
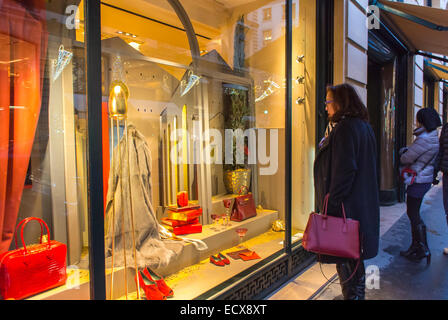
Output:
(420, 157)
(345, 168)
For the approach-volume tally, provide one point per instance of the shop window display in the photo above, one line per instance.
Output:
(193, 123)
(200, 219)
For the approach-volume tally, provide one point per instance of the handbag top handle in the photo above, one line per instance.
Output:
(24, 222)
(326, 206)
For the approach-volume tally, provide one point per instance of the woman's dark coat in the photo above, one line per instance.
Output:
(345, 167)
(442, 160)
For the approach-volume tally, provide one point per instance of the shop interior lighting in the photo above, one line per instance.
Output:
(135, 45)
(13, 61)
(300, 100)
(128, 34)
(300, 79)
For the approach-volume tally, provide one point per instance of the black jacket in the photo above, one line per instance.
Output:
(442, 159)
(345, 167)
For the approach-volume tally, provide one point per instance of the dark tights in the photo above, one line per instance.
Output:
(413, 210)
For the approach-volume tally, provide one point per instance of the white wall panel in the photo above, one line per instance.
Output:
(356, 64)
(418, 77)
(356, 30)
(418, 94)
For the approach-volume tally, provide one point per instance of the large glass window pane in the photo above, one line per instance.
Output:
(243, 70)
(205, 121)
(303, 113)
(43, 167)
(149, 99)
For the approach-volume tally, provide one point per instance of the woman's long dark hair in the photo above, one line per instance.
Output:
(348, 103)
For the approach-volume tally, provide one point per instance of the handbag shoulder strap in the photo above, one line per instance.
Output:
(428, 162)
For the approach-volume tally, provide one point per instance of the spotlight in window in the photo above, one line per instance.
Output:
(300, 100)
(300, 79)
(135, 45)
(266, 112)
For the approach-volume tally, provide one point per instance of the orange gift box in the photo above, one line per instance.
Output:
(177, 223)
(185, 215)
(182, 209)
(187, 229)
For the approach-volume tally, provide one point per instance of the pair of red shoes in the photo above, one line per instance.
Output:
(219, 260)
(154, 285)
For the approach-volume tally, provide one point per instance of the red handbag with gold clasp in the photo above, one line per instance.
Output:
(33, 269)
(243, 208)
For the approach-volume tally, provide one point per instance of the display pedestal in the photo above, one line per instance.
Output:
(219, 240)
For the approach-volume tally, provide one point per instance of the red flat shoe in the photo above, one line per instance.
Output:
(217, 261)
(150, 287)
(161, 284)
(223, 258)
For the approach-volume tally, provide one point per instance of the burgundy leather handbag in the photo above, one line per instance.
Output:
(33, 269)
(333, 236)
(243, 208)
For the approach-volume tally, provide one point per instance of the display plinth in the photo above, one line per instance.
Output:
(220, 240)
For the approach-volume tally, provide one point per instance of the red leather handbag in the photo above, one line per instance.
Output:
(33, 269)
(243, 208)
(333, 236)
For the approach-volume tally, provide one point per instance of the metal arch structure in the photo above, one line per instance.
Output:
(191, 35)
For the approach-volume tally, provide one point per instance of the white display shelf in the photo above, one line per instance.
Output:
(217, 241)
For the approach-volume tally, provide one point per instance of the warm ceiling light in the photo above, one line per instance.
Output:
(135, 45)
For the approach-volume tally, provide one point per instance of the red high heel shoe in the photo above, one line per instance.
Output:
(150, 287)
(161, 284)
(223, 258)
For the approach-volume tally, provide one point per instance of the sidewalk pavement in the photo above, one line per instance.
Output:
(389, 276)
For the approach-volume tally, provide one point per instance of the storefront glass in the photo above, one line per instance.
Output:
(43, 141)
(193, 138)
(303, 113)
(206, 103)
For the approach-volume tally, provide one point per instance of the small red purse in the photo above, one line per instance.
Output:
(182, 199)
(30, 270)
(243, 208)
(332, 236)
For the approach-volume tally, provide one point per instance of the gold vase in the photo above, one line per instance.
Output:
(236, 180)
